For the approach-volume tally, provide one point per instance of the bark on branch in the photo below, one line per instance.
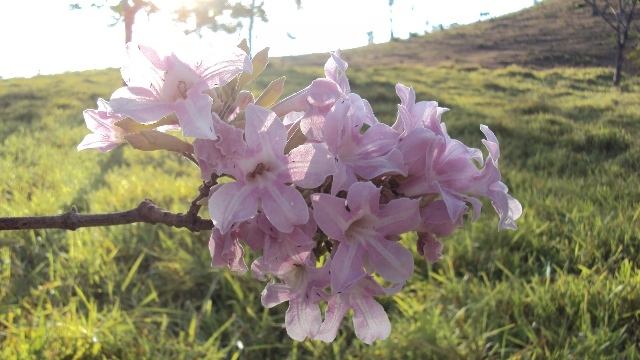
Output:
(145, 212)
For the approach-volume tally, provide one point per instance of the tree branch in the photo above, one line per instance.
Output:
(145, 212)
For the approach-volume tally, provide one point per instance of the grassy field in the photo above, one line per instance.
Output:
(565, 285)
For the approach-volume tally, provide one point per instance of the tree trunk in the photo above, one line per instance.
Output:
(619, 62)
(253, 14)
(129, 15)
(622, 41)
(391, 18)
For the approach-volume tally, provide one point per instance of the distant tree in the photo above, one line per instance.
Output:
(125, 11)
(391, 17)
(207, 15)
(619, 15)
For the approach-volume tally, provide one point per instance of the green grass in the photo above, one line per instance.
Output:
(565, 285)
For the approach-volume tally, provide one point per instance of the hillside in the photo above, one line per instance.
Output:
(551, 33)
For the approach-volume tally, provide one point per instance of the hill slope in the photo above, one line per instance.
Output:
(551, 33)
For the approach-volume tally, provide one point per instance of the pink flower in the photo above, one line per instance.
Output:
(279, 245)
(435, 221)
(319, 98)
(429, 247)
(160, 84)
(214, 155)
(368, 155)
(226, 251)
(449, 170)
(301, 284)
(370, 321)
(263, 173)
(106, 135)
(418, 126)
(362, 232)
(412, 115)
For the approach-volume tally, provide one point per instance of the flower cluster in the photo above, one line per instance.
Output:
(314, 182)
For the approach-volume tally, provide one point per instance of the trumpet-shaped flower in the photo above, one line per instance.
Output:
(319, 98)
(301, 284)
(370, 321)
(106, 135)
(263, 173)
(418, 126)
(449, 170)
(279, 245)
(160, 84)
(225, 250)
(368, 155)
(362, 231)
(214, 155)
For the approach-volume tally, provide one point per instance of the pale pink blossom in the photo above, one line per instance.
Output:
(106, 135)
(214, 155)
(319, 98)
(362, 232)
(370, 321)
(301, 284)
(278, 245)
(161, 84)
(418, 126)
(263, 173)
(225, 250)
(368, 155)
(450, 170)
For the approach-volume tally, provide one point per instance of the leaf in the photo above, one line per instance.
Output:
(296, 138)
(272, 93)
(131, 126)
(132, 272)
(151, 140)
(139, 142)
(259, 61)
(243, 46)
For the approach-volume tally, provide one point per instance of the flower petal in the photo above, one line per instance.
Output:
(331, 215)
(391, 260)
(194, 113)
(97, 141)
(302, 318)
(218, 72)
(491, 143)
(232, 202)
(363, 197)
(274, 294)
(140, 104)
(398, 216)
(284, 207)
(370, 321)
(347, 266)
(336, 310)
(310, 164)
(429, 247)
(264, 132)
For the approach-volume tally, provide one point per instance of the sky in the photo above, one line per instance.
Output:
(45, 37)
